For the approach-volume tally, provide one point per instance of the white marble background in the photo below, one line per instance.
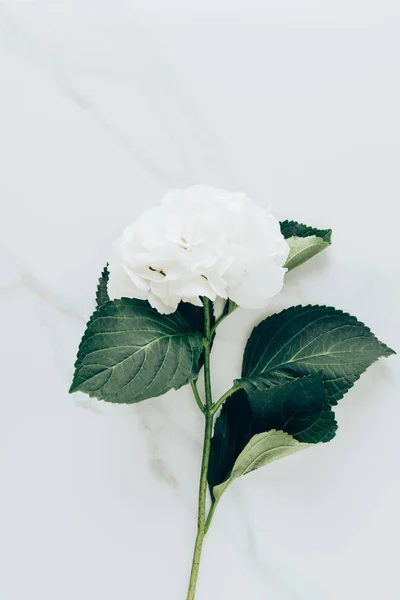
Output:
(104, 105)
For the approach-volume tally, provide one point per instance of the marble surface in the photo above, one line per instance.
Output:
(103, 107)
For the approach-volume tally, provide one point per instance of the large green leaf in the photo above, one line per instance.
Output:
(304, 242)
(299, 407)
(102, 292)
(306, 339)
(130, 352)
(261, 450)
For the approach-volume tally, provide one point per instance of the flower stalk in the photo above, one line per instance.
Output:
(202, 508)
(203, 521)
(209, 409)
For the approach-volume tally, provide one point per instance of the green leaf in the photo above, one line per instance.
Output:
(302, 249)
(130, 352)
(292, 228)
(303, 340)
(299, 407)
(304, 242)
(194, 316)
(102, 293)
(261, 450)
(232, 431)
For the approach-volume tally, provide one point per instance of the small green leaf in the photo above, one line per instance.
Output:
(299, 407)
(292, 228)
(130, 352)
(102, 293)
(304, 242)
(303, 340)
(261, 450)
(302, 249)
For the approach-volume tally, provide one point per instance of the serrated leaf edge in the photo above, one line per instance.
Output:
(102, 282)
(324, 234)
(387, 350)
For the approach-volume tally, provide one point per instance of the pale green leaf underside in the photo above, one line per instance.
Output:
(302, 249)
(130, 352)
(261, 450)
(304, 241)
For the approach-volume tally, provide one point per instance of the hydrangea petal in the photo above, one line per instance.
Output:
(201, 241)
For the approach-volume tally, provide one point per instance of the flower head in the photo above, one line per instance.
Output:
(200, 241)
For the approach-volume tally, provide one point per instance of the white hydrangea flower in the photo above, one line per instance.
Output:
(200, 241)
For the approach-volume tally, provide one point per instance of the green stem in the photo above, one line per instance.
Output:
(228, 393)
(195, 565)
(211, 514)
(197, 395)
(207, 410)
(207, 351)
(201, 522)
(231, 307)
